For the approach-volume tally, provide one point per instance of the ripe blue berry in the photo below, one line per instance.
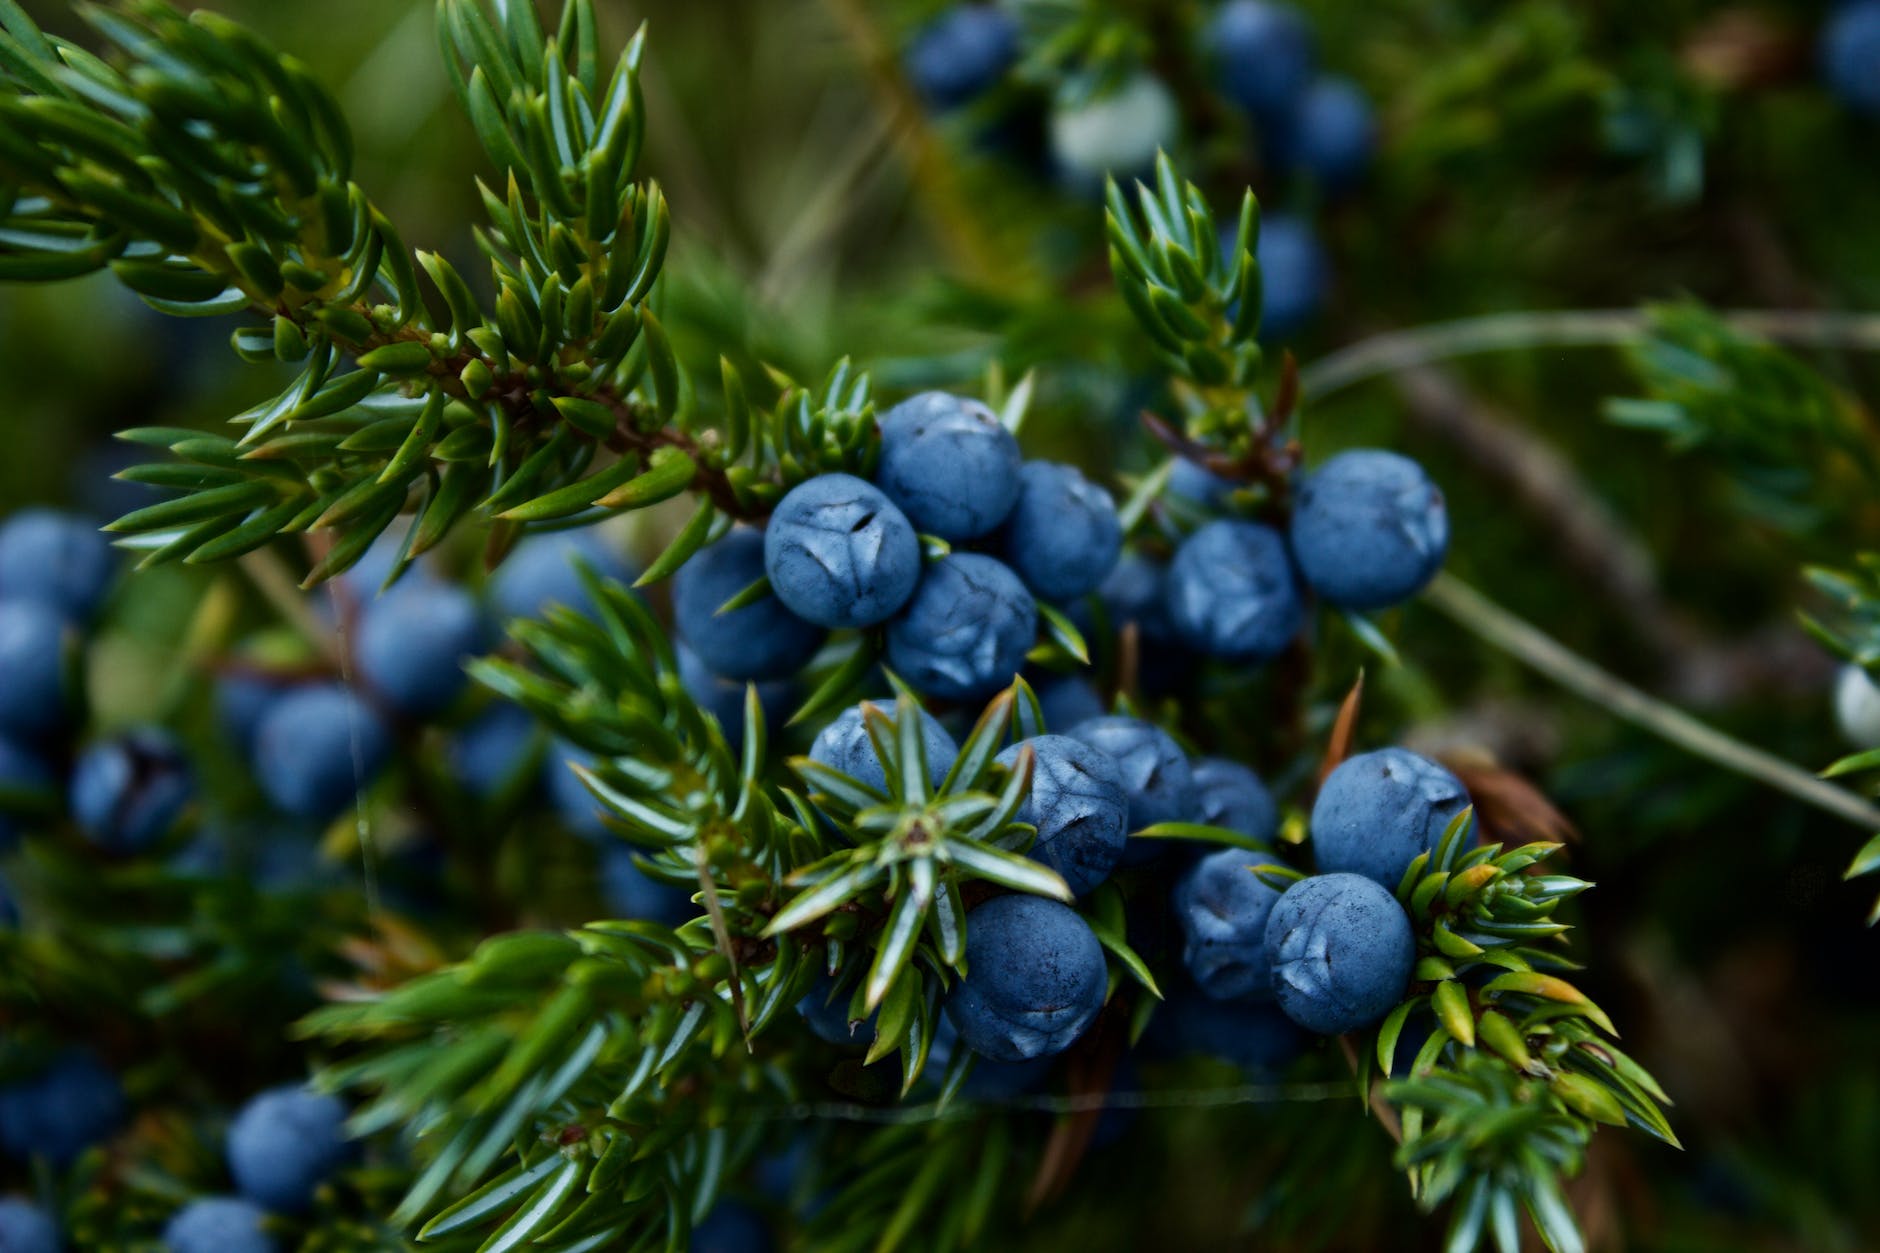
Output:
(412, 646)
(541, 571)
(1196, 483)
(1078, 805)
(723, 699)
(1064, 701)
(1330, 135)
(1293, 275)
(1263, 54)
(128, 791)
(1156, 775)
(25, 1228)
(845, 745)
(58, 559)
(284, 1144)
(825, 1010)
(218, 1224)
(1369, 529)
(960, 54)
(27, 788)
(1232, 593)
(949, 464)
(61, 1111)
(1378, 810)
(763, 640)
(35, 671)
(1063, 536)
(317, 748)
(1117, 133)
(1035, 979)
(840, 554)
(1253, 1035)
(629, 892)
(363, 581)
(987, 1080)
(242, 699)
(490, 754)
(1341, 949)
(967, 630)
(1850, 53)
(1222, 907)
(574, 804)
(1135, 599)
(1227, 794)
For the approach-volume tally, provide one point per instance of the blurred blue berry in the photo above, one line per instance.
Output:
(825, 1010)
(284, 1144)
(949, 464)
(35, 671)
(1330, 135)
(1378, 810)
(960, 54)
(1253, 1035)
(1369, 529)
(1063, 536)
(967, 630)
(629, 892)
(58, 559)
(723, 699)
(573, 803)
(128, 791)
(763, 640)
(1341, 950)
(1232, 592)
(1294, 275)
(60, 1112)
(1263, 55)
(839, 553)
(411, 647)
(1850, 55)
(316, 748)
(218, 1224)
(25, 1228)
(732, 1228)
(1064, 700)
(27, 789)
(541, 571)
(1035, 979)
(491, 752)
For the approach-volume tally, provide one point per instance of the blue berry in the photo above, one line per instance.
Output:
(218, 1224)
(284, 1144)
(1063, 535)
(25, 1228)
(1135, 595)
(1222, 907)
(723, 699)
(1156, 775)
(317, 748)
(490, 753)
(1035, 979)
(1197, 484)
(35, 671)
(58, 559)
(1378, 811)
(127, 792)
(1330, 135)
(1850, 55)
(412, 645)
(629, 892)
(1341, 950)
(845, 745)
(573, 803)
(1263, 54)
(732, 1228)
(825, 1010)
(1078, 805)
(840, 554)
(1369, 529)
(967, 630)
(26, 788)
(1232, 593)
(763, 640)
(1229, 795)
(1117, 133)
(949, 464)
(242, 700)
(1253, 1035)
(1293, 275)
(541, 571)
(961, 53)
(364, 580)
(61, 1111)
(1065, 701)
(987, 1080)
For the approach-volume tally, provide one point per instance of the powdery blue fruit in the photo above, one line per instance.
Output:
(845, 745)
(967, 630)
(723, 699)
(839, 553)
(489, 754)
(1850, 52)
(763, 640)
(1294, 274)
(1063, 536)
(1330, 135)
(949, 464)
(1263, 55)
(1232, 592)
(960, 54)
(58, 559)
(1378, 810)
(1228, 794)
(629, 892)
(1222, 907)
(1117, 133)
(411, 646)
(35, 696)
(25, 1228)
(1369, 529)
(218, 1224)
(284, 1144)
(128, 791)
(732, 1228)
(60, 1112)
(1064, 701)
(1078, 804)
(316, 748)
(544, 570)
(1035, 979)
(27, 787)
(1253, 1035)
(1341, 950)
(1155, 773)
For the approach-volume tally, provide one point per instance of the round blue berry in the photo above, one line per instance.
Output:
(845, 745)
(61, 1111)
(1195, 483)
(1228, 794)
(317, 748)
(242, 699)
(1263, 55)
(987, 1080)
(1035, 979)
(629, 892)
(762, 640)
(544, 570)
(1117, 133)
(25, 1228)
(27, 790)
(1369, 529)
(1293, 275)
(1078, 805)
(218, 1224)
(1232, 593)
(365, 579)
(284, 1144)
(411, 646)
(493, 751)
(1378, 811)
(825, 1010)
(949, 464)
(1155, 773)
(1341, 950)
(35, 671)
(58, 559)
(1850, 55)
(1063, 536)
(960, 54)
(1064, 701)
(1330, 135)
(732, 1228)
(1135, 600)
(1221, 907)
(573, 803)
(1253, 1035)
(723, 699)
(967, 630)
(128, 791)
(839, 553)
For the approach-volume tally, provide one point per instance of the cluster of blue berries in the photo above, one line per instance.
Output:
(282, 1146)
(52, 1115)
